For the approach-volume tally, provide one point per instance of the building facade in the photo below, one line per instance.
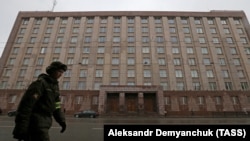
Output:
(133, 63)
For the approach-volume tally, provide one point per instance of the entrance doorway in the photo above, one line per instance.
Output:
(112, 103)
(150, 102)
(131, 102)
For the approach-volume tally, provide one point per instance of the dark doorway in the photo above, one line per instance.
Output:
(150, 102)
(131, 102)
(112, 103)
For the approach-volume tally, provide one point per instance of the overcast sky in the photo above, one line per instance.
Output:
(10, 8)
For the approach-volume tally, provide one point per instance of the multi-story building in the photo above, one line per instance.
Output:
(131, 62)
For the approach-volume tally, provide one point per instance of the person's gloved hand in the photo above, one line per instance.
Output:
(63, 125)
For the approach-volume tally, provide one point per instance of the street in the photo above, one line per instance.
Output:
(86, 129)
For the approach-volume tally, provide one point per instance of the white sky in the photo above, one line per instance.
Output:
(10, 8)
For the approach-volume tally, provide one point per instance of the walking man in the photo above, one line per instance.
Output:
(39, 104)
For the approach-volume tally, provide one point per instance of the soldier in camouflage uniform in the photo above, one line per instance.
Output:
(39, 103)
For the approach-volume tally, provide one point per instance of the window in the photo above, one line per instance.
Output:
(83, 73)
(223, 21)
(213, 30)
(89, 30)
(219, 50)
(183, 100)
(72, 49)
(115, 61)
(236, 61)
(226, 30)
(66, 85)
(100, 50)
(75, 30)
(99, 73)
(131, 39)
(130, 29)
(190, 50)
(235, 100)
(100, 61)
(62, 30)
(184, 20)
(171, 20)
(175, 50)
(174, 40)
(68, 73)
(131, 61)
(86, 50)
(199, 30)
(163, 73)
(167, 100)
(145, 50)
(114, 73)
(244, 85)
(202, 40)
(22, 72)
(206, 61)
(104, 20)
(70, 61)
(161, 50)
(172, 30)
(101, 39)
(191, 61)
(26, 61)
(180, 86)
(197, 20)
(131, 73)
(210, 21)
(225, 73)
(201, 100)
(218, 100)
(117, 20)
(177, 61)
(212, 86)
(90, 20)
(194, 73)
(131, 20)
(87, 39)
(145, 39)
(188, 40)
(240, 73)
(40, 61)
(146, 61)
(233, 50)
(186, 30)
(161, 61)
(57, 50)
(243, 40)
(210, 74)
(33, 40)
(73, 40)
(131, 49)
(144, 30)
(157, 20)
(15, 50)
(178, 73)
(85, 61)
(229, 40)
(102, 30)
(146, 73)
(81, 85)
(222, 61)
(204, 50)
(115, 50)
(158, 30)
(116, 29)
(228, 86)
(144, 20)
